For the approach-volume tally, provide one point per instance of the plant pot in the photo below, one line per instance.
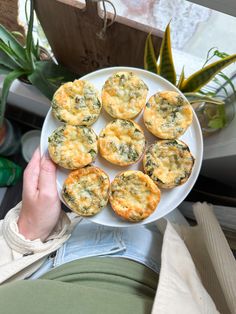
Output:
(29, 142)
(9, 139)
(28, 97)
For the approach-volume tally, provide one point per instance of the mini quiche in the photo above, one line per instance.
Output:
(124, 95)
(76, 103)
(168, 163)
(122, 142)
(167, 115)
(72, 146)
(134, 196)
(86, 190)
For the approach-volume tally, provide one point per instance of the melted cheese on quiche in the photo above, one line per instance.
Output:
(134, 196)
(76, 103)
(86, 191)
(73, 147)
(124, 95)
(168, 162)
(122, 142)
(167, 115)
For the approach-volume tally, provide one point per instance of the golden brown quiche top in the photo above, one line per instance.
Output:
(134, 196)
(124, 95)
(86, 190)
(122, 142)
(169, 163)
(72, 146)
(167, 115)
(76, 103)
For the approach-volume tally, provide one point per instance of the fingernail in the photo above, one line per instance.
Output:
(46, 158)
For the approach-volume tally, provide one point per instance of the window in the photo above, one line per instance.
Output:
(226, 6)
(195, 29)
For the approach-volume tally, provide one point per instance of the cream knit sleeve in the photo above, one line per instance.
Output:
(19, 254)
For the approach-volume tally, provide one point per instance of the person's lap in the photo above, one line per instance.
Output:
(139, 243)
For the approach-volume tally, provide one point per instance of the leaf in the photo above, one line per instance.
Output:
(36, 51)
(48, 76)
(55, 72)
(23, 63)
(38, 79)
(209, 57)
(220, 84)
(15, 34)
(166, 66)
(228, 81)
(215, 115)
(4, 70)
(29, 37)
(9, 39)
(196, 97)
(26, 13)
(216, 123)
(6, 50)
(181, 79)
(5, 60)
(220, 54)
(10, 173)
(200, 78)
(150, 60)
(5, 90)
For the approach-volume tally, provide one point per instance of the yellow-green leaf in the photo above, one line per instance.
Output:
(166, 66)
(181, 79)
(196, 97)
(150, 60)
(200, 78)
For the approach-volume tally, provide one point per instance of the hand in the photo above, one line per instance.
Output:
(41, 206)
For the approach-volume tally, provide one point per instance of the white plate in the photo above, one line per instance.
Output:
(170, 199)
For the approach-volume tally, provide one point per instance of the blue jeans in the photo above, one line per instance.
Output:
(142, 244)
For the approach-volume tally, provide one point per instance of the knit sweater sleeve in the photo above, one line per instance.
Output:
(19, 254)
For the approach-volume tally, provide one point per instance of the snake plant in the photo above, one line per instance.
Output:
(191, 86)
(18, 61)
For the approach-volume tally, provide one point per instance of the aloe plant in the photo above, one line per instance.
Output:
(18, 61)
(150, 62)
(191, 86)
(166, 65)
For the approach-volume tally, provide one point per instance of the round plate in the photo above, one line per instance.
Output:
(170, 199)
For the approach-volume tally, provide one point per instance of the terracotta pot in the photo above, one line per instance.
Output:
(9, 139)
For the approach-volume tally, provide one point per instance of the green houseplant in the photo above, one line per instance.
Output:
(25, 62)
(192, 86)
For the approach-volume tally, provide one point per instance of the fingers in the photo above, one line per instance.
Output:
(47, 178)
(31, 174)
(40, 177)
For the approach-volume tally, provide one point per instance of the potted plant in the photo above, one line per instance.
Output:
(210, 107)
(26, 63)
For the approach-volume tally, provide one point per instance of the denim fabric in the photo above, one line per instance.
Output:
(142, 244)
